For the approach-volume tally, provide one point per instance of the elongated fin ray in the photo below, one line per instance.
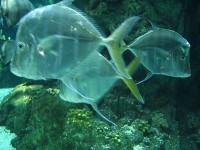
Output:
(95, 107)
(133, 87)
(70, 95)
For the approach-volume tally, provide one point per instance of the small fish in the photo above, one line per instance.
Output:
(163, 51)
(7, 51)
(14, 10)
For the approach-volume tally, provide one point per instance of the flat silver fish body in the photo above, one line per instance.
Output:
(14, 10)
(92, 78)
(163, 51)
(57, 42)
(52, 40)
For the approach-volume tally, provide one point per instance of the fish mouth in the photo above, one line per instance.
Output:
(187, 70)
(186, 73)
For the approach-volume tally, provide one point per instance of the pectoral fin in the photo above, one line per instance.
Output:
(52, 44)
(148, 76)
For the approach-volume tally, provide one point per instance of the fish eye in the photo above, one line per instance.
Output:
(185, 46)
(21, 45)
(182, 57)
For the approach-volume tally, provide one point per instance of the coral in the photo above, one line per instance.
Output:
(197, 137)
(31, 112)
(53, 91)
(159, 120)
(79, 117)
(193, 121)
(143, 126)
(41, 120)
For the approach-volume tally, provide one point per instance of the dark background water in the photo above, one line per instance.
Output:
(188, 95)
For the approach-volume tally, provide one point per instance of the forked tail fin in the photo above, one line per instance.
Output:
(124, 29)
(113, 43)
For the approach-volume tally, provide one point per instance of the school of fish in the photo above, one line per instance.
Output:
(58, 41)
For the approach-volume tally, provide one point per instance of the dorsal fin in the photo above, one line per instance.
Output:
(69, 4)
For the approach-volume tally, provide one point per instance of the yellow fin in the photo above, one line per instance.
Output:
(133, 87)
(122, 31)
(118, 61)
(115, 44)
(133, 65)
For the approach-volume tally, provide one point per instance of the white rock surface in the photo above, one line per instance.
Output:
(5, 135)
(4, 92)
(5, 139)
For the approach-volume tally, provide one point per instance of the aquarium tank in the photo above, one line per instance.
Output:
(99, 75)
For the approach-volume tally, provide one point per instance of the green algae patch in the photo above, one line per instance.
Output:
(79, 117)
(35, 113)
(22, 94)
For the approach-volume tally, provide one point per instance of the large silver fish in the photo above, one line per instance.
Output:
(163, 51)
(14, 10)
(53, 39)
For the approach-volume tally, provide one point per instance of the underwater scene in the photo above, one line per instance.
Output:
(99, 75)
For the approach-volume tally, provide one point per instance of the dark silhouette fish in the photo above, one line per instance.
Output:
(14, 10)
